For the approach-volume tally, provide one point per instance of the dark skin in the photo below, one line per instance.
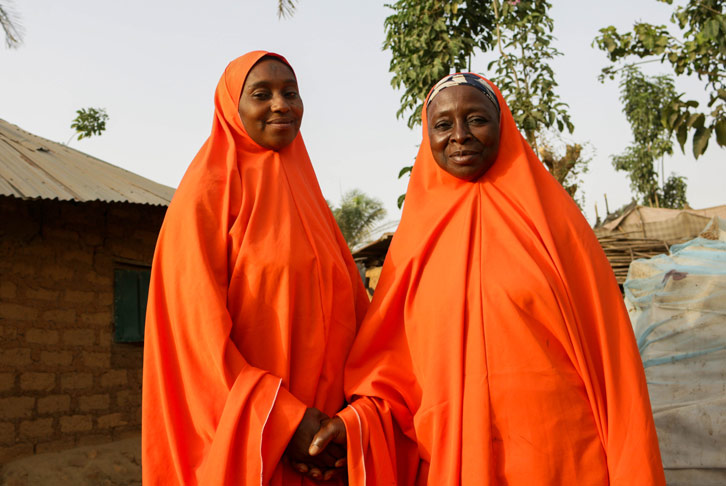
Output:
(332, 433)
(324, 465)
(463, 130)
(270, 106)
(271, 111)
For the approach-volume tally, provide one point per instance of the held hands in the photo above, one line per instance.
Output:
(310, 450)
(332, 431)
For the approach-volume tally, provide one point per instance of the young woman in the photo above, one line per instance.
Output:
(254, 298)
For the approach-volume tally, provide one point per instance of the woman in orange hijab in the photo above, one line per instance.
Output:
(254, 298)
(497, 349)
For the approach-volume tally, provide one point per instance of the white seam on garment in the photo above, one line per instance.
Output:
(262, 434)
(362, 453)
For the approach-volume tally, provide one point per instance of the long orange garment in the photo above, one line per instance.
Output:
(497, 349)
(253, 305)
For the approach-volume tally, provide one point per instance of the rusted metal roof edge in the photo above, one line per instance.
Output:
(55, 171)
(69, 199)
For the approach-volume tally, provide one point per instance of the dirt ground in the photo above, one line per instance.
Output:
(113, 464)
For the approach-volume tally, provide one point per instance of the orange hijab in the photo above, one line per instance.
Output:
(253, 305)
(497, 349)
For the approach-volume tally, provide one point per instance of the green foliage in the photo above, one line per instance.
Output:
(356, 215)
(401, 173)
(89, 122)
(523, 74)
(701, 52)
(644, 100)
(285, 8)
(567, 167)
(638, 163)
(674, 193)
(10, 25)
(429, 39)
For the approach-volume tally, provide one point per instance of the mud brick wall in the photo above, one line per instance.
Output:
(64, 382)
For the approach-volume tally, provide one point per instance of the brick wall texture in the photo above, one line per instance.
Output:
(64, 382)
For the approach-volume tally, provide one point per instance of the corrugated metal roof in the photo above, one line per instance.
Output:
(33, 167)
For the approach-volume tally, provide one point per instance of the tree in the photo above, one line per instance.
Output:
(430, 38)
(285, 8)
(10, 25)
(524, 43)
(644, 99)
(567, 166)
(674, 192)
(89, 122)
(702, 51)
(356, 215)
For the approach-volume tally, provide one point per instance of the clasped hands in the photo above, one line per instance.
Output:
(317, 449)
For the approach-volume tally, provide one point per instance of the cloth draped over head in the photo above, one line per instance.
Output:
(253, 304)
(497, 349)
(465, 79)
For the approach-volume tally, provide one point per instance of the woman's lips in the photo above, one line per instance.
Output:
(281, 123)
(464, 157)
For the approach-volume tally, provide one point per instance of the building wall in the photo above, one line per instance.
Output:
(373, 274)
(63, 381)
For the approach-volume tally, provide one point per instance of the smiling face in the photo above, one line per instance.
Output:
(463, 129)
(270, 105)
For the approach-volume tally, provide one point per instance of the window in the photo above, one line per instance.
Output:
(131, 289)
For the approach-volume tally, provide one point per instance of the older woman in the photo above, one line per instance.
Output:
(497, 349)
(254, 298)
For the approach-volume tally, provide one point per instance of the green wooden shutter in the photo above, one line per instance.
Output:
(131, 290)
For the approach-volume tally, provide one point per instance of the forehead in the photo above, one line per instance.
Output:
(270, 71)
(462, 96)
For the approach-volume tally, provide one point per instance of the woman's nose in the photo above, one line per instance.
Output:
(460, 132)
(280, 104)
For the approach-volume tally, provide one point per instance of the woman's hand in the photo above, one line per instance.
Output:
(326, 463)
(332, 430)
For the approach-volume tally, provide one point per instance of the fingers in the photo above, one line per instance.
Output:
(336, 450)
(321, 440)
(319, 473)
(332, 429)
(300, 467)
(324, 460)
(324, 474)
(315, 473)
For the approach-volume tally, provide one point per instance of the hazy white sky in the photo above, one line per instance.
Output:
(154, 65)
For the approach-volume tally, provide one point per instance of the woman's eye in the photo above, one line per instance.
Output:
(260, 95)
(477, 120)
(442, 126)
(291, 94)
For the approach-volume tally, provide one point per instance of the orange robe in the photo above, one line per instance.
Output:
(253, 305)
(497, 349)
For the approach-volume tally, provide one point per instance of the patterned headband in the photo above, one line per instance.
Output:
(465, 79)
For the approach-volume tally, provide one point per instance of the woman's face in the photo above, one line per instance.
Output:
(463, 129)
(270, 105)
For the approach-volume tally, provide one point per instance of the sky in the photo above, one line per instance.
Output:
(153, 65)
